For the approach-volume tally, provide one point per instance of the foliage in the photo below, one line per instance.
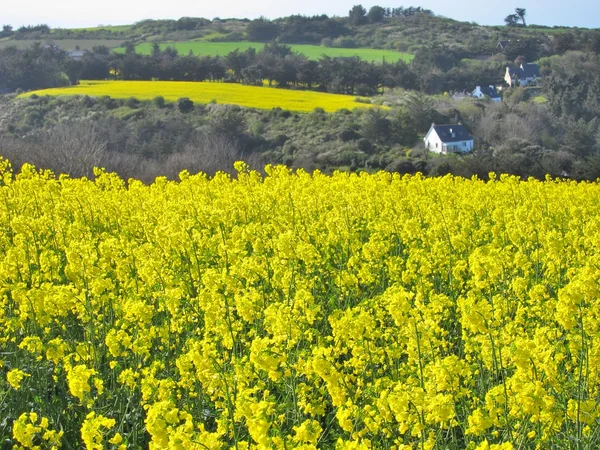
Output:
(512, 20)
(228, 93)
(262, 30)
(298, 311)
(35, 67)
(357, 15)
(185, 105)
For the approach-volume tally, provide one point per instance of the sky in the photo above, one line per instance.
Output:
(75, 13)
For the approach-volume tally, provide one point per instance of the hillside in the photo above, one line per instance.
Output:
(247, 102)
(406, 33)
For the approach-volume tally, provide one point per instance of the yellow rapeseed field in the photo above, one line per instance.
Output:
(205, 92)
(298, 311)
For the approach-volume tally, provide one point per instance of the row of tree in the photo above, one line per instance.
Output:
(435, 69)
(358, 15)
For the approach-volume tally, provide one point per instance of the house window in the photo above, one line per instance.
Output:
(436, 145)
(464, 144)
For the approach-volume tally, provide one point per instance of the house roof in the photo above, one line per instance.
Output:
(490, 91)
(530, 70)
(452, 133)
(525, 71)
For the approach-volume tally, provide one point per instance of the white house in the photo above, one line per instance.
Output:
(487, 92)
(448, 139)
(524, 75)
(76, 55)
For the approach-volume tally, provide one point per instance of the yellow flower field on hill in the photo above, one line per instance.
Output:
(205, 92)
(298, 311)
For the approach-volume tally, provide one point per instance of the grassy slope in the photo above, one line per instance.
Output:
(107, 28)
(228, 93)
(311, 51)
(64, 44)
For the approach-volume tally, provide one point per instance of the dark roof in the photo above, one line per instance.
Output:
(452, 133)
(525, 71)
(489, 91)
(531, 70)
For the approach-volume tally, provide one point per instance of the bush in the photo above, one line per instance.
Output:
(401, 166)
(364, 145)
(344, 42)
(349, 135)
(132, 102)
(159, 101)
(185, 105)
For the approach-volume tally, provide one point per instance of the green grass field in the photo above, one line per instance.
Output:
(549, 30)
(207, 92)
(311, 51)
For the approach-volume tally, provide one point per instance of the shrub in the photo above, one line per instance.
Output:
(159, 101)
(364, 145)
(132, 102)
(185, 105)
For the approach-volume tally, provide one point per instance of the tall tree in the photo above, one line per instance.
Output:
(262, 30)
(376, 14)
(521, 13)
(511, 20)
(357, 15)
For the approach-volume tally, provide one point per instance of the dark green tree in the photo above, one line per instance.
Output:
(375, 126)
(521, 13)
(376, 14)
(511, 20)
(262, 30)
(357, 15)
(185, 105)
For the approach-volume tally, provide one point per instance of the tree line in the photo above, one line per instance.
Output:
(435, 69)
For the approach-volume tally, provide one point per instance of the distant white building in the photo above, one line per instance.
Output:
(76, 55)
(448, 139)
(487, 92)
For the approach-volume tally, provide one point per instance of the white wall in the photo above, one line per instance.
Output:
(434, 144)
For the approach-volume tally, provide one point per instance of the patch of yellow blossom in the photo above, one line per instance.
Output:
(35, 434)
(297, 310)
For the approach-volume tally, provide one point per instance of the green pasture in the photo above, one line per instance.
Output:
(311, 51)
(114, 28)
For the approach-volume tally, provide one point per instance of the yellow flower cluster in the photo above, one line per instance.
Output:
(297, 310)
(206, 92)
(36, 435)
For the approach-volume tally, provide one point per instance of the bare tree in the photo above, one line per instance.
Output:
(74, 148)
(209, 154)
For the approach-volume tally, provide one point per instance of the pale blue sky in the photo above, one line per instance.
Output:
(75, 13)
